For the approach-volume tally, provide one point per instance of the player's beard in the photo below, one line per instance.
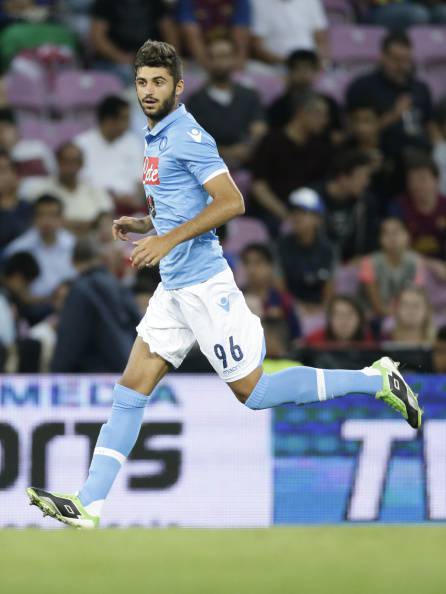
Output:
(164, 109)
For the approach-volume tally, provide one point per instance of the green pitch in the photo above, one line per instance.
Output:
(319, 560)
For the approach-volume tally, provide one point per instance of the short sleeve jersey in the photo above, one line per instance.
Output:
(179, 158)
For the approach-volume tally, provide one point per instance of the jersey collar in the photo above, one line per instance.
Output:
(177, 113)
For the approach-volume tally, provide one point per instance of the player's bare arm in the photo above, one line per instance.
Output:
(227, 203)
(125, 225)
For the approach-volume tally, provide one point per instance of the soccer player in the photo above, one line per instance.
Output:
(189, 193)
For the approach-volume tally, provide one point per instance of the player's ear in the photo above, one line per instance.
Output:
(179, 88)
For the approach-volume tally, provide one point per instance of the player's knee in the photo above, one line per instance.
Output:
(242, 395)
(244, 387)
(247, 395)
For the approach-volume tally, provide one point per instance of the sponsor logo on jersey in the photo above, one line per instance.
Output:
(150, 172)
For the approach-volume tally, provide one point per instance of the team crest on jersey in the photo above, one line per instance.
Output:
(163, 143)
(150, 171)
(151, 206)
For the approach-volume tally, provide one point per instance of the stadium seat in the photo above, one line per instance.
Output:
(26, 93)
(310, 322)
(242, 231)
(52, 133)
(436, 82)
(77, 89)
(243, 180)
(355, 47)
(335, 84)
(429, 44)
(268, 85)
(192, 83)
(339, 11)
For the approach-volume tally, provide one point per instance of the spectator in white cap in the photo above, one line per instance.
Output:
(306, 255)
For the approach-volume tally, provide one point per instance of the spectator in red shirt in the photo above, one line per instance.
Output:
(258, 263)
(423, 208)
(345, 325)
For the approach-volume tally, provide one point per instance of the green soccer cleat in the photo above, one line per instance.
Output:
(65, 508)
(397, 393)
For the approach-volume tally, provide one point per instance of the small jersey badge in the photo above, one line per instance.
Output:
(151, 206)
(195, 134)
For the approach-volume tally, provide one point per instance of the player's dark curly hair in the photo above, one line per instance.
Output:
(162, 55)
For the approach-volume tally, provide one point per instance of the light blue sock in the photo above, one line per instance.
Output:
(302, 385)
(115, 442)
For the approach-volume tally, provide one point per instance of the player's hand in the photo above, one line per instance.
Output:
(150, 250)
(126, 225)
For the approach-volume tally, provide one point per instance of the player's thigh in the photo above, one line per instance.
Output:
(228, 333)
(164, 329)
(144, 369)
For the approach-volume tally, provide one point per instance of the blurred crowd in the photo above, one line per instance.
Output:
(340, 154)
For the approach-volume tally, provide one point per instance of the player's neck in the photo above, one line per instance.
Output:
(151, 123)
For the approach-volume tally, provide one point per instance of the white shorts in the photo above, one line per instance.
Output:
(214, 314)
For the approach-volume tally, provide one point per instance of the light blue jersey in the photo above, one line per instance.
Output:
(179, 158)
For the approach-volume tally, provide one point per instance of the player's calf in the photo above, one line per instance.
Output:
(302, 385)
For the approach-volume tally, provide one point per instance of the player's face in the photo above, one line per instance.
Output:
(157, 93)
